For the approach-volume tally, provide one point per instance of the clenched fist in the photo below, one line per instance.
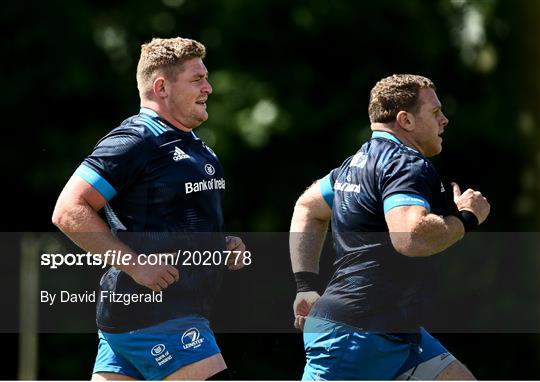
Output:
(472, 201)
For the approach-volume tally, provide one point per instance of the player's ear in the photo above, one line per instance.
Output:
(405, 120)
(158, 87)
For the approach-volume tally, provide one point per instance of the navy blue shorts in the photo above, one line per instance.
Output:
(336, 351)
(156, 351)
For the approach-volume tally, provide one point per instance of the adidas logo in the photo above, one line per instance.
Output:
(179, 154)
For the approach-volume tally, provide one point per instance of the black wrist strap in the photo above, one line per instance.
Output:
(306, 281)
(469, 220)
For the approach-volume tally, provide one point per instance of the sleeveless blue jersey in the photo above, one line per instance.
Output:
(375, 287)
(164, 189)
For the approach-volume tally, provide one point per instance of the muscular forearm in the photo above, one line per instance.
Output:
(307, 237)
(431, 235)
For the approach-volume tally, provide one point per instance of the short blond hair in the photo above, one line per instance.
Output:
(164, 55)
(395, 93)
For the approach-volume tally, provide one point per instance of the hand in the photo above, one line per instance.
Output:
(302, 306)
(472, 201)
(155, 277)
(235, 261)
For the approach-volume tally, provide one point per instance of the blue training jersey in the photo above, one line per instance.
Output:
(163, 188)
(374, 286)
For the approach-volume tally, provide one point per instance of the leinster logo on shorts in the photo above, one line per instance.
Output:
(210, 170)
(191, 339)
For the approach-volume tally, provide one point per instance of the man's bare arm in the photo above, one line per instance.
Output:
(416, 233)
(76, 214)
(309, 225)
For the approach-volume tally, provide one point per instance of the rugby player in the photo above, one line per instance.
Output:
(155, 180)
(389, 213)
